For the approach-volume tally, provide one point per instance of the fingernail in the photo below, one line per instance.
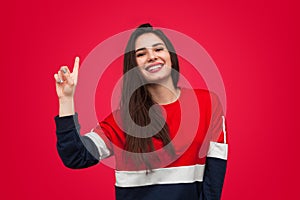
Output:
(59, 81)
(64, 70)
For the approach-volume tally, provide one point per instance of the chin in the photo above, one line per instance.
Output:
(158, 79)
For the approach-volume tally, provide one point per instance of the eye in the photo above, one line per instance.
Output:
(140, 54)
(159, 49)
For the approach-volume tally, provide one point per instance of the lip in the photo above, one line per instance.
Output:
(154, 64)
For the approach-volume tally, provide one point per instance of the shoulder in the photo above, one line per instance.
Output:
(111, 126)
(206, 99)
(202, 94)
(113, 119)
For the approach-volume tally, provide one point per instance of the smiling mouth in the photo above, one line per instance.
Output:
(154, 67)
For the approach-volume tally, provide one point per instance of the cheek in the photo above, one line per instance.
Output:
(168, 59)
(139, 61)
(140, 64)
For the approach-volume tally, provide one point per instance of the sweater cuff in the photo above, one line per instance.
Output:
(66, 123)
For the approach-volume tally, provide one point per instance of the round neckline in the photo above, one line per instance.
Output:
(175, 101)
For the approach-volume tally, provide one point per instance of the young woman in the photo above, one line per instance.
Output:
(156, 134)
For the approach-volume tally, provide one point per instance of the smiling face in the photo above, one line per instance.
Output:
(153, 58)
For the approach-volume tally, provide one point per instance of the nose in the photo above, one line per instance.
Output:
(151, 55)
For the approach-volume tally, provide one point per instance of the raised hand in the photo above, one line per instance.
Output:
(66, 82)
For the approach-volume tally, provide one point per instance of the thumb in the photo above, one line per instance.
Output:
(66, 75)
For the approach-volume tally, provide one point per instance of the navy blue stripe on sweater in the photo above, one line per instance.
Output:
(182, 191)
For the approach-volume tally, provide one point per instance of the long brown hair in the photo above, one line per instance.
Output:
(139, 103)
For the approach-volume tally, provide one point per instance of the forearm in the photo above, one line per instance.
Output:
(66, 107)
(75, 151)
(215, 169)
(213, 180)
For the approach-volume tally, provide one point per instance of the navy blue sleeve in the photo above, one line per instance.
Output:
(216, 160)
(75, 151)
(213, 179)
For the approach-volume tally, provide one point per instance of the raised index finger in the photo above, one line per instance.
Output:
(76, 65)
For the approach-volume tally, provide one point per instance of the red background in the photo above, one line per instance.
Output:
(255, 45)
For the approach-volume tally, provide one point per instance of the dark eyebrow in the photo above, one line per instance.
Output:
(154, 45)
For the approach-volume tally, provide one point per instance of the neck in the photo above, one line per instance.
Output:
(164, 94)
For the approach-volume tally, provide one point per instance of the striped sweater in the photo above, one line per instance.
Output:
(196, 171)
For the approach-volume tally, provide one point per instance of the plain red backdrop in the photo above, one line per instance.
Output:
(255, 45)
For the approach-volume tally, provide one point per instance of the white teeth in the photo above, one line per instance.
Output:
(153, 67)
